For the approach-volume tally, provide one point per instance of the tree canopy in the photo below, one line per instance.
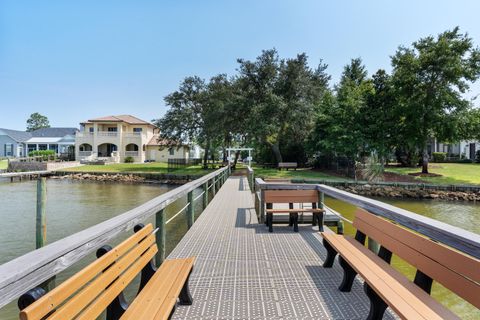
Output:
(37, 121)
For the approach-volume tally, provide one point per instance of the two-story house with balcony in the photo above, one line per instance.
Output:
(114, 138)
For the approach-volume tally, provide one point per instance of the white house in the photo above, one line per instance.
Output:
(114, 138)
(465, 148)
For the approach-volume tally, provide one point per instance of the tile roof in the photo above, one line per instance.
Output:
(19, 136)
(120, 118)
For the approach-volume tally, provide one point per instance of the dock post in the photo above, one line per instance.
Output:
(190, 210)
(373, 245)
(262, 206)
(205, 195)
(213, 187)
(41, 219)
(161, 236)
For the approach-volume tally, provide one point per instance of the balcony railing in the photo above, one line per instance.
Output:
(85, 153)
(132, 134)
(84, 134)
(110, 134)
(131, 153)
(107, 134)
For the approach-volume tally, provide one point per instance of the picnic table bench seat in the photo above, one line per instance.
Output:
(385, 286)
(293, 197)
(99, 286)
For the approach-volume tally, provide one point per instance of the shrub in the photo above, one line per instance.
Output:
(45, 154)
(128, 160)
(439, 156)
(372, 169)
(477, 156)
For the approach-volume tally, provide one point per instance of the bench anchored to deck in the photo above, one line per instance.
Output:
(385, 286)
(100, 285)
(293, 197)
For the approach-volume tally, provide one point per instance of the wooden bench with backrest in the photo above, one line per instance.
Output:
(99, 286)
(293, 197)
(287, 165)
(385, 286)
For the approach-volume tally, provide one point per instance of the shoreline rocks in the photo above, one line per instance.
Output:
(117, 177)
(416, 193)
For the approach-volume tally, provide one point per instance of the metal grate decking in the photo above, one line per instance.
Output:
(244, 272)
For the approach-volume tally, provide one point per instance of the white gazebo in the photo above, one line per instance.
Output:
(230, 159)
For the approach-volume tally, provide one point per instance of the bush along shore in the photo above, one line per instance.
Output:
(127, 177)
(413, 193)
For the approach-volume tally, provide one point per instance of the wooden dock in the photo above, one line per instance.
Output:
(245, 272)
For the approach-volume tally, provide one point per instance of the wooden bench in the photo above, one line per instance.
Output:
(385, 286)
(99, 286)
(291, 197)
(287, 165)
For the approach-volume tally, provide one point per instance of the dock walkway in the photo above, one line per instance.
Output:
(245, 272)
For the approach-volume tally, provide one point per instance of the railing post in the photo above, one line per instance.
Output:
(205, 195)
(213, 187)
(262, 206)
(373, 245)
(339, 227)
(160, 237)
(41, 219)
(190, 210)
(322, 200)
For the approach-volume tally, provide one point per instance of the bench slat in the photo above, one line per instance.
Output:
(57, 296)
(97, 307)
(291, 196)
(158, 297)
(83, 298)
(391, 237)
(457, 261)
(404, 297)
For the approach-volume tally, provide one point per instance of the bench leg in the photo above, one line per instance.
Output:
(377, 305)
(348, 275)
(295, 221)
(331, 253)
(185, 297)
(117, 307)
(270, 222)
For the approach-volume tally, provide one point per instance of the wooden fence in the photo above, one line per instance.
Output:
(34, 268)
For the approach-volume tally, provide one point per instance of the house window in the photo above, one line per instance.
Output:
(171, 151)
(90, 129)
(137, 129)
(8, 149)
(42, 147)
(32, 147)
(112, 129)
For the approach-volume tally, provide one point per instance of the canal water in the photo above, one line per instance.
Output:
(75, 205)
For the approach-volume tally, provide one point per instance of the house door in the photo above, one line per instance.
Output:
(151, 154)
(472, 151)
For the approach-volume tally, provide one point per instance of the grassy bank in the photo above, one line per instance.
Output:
(154, 167)
(451, 173)
(3, 164)
(300, 173)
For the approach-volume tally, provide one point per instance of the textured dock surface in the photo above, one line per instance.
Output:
(245, 272)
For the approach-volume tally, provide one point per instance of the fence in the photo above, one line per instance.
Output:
(36, 267)
(179, 163)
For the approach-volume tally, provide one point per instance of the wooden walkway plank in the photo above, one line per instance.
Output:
(244, 272)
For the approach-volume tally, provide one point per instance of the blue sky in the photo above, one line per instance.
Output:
(75, 60)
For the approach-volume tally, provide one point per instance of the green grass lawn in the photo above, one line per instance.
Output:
(153, 167)
(452, 173)
(300, 173)
(3, 164)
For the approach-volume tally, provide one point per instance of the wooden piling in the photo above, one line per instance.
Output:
(41, 218)
(190, 210)
(205, 195)
(161, 236)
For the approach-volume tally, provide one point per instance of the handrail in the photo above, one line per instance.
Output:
(455, 237)
(25, 272)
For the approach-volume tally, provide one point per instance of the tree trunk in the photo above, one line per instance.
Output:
(276, 152)
(425, 159)
(237, 154)
(205, 156)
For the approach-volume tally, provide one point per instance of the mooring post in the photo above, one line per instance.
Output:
(41, 219)
(161, 236)
(190, 210)
(373, 245)
(213, 187)
(205, 195)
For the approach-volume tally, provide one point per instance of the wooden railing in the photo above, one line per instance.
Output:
(34, 268)
(462, 240)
